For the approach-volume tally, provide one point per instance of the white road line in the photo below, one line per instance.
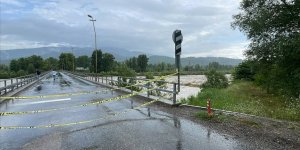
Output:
(47, 101)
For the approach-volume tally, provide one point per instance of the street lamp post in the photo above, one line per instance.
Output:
(93, 20)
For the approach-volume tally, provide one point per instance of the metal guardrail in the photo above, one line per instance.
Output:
(9, 85)
(109, 81)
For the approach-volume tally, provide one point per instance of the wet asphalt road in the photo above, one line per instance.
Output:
(133, 130)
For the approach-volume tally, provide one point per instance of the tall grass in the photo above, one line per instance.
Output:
(246, 97)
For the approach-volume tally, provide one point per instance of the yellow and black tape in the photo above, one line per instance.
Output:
(82, 92)
(75, 106)
(78, 122)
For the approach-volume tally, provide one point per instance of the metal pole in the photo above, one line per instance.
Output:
(149, 114)
(148, 86)
(17, 83)
(5, 86)
(178, 74)
(174, 93)
(95, 44)
(93, 20)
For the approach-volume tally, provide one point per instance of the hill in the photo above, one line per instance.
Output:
(119, 53)
(195, 60)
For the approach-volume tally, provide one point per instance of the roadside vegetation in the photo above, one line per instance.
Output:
(246, 97)
(267, 83)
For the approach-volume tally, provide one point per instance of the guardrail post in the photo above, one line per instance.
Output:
(131, 101)
(102, 78)
(131, 87)
(17, 83)
(149, 114)
(148, 92)
(5, 86)
(118, 82)
(174, 93)
(106, 80)
(111, 81)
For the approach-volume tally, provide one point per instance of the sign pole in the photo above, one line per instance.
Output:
(177, 38)
(178, 70)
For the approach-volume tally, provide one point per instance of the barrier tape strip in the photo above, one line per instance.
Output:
(75, 106)
(81, 93)
(79, 122)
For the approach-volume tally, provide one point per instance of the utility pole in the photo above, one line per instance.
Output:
(93, 20)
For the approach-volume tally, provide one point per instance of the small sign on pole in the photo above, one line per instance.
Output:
(177, 39)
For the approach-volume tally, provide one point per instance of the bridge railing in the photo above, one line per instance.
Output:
(9, 85)
(134, 84)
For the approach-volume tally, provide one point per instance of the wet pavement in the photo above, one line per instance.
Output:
(132, 130)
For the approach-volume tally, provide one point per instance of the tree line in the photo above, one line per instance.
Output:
(273, 56)
(67, 61)
(105, 64)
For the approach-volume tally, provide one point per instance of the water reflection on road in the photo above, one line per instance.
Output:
(145, 128)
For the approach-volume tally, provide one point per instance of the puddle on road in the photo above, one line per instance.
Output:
(137, 131)
(134, 130)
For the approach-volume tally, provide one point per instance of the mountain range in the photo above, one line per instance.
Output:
(119, 53)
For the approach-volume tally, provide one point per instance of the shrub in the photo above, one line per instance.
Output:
(244, 71)
(123, 70)
(149, 75)
(215, 80)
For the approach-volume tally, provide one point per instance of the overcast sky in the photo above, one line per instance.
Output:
(137, 25)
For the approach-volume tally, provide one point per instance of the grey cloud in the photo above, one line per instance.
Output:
(135, 25)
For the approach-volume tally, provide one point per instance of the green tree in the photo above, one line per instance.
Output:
(273, 28)
(83, 61)
(37, 61)
(108, 62)
(14, 65)
(123, 70)
(31, 68)
(66, 61)
(244, 70)
(99, 61)
(23, 63)
(4, 67)
(215, 80)
(142, 62)
(51, 64)
(213, 66)
(132, 63)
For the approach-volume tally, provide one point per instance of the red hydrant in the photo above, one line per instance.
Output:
(209, 112)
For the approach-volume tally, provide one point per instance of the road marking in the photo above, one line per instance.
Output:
(80, 122)
(47, 101)
(80, 105)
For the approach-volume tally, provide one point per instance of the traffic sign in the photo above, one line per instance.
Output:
(177, 39)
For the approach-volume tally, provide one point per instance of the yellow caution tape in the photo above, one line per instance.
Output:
(79, 122)
(75, 106)
(82, 92)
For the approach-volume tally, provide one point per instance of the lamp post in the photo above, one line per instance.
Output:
(93, 20)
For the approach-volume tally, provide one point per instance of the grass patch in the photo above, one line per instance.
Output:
(246, 97)
(216, 117)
